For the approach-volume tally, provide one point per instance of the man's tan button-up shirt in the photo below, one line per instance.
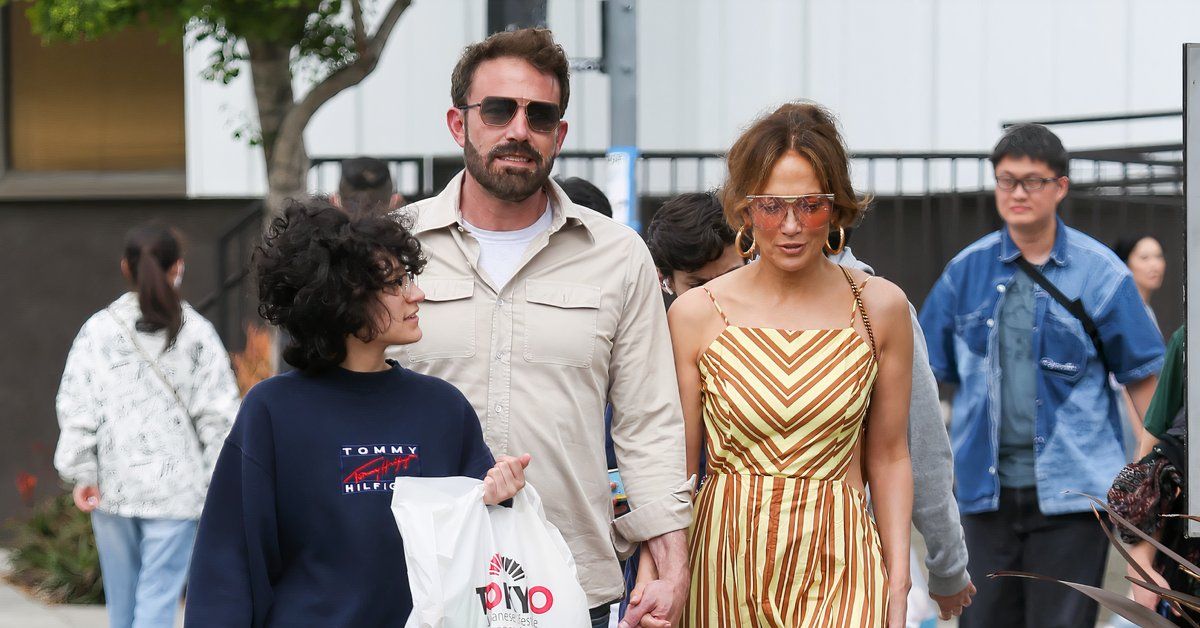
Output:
(580, 324)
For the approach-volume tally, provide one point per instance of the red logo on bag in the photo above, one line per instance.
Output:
(511, 592)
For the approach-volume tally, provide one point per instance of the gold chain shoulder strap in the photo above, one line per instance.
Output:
(862, 310)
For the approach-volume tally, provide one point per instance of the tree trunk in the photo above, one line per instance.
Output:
(286, 156)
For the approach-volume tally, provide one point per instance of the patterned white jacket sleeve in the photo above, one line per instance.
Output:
(123, 429)
(78, 415)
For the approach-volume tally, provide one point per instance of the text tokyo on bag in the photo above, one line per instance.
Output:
(477, 566)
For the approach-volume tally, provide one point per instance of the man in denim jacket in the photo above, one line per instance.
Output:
(1034, 415)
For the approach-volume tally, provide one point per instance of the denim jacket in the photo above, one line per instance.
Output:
(1078, 442)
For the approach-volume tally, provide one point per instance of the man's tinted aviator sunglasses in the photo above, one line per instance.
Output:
(542, 117)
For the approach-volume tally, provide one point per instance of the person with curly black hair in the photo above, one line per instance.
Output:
(297, 528)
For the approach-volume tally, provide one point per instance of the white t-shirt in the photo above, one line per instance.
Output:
(500, 251)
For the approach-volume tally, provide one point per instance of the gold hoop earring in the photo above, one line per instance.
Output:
(744, 252)
(841, 243)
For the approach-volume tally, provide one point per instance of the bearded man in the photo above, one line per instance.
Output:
(543, 312)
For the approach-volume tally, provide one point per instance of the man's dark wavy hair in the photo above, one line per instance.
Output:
(688, 232)
(320, 273)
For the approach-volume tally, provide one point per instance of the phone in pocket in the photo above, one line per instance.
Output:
(618, 487)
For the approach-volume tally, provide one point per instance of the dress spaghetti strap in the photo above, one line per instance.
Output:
(716, 305)
(859, 309)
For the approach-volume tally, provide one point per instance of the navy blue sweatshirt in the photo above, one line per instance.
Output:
(297, 529)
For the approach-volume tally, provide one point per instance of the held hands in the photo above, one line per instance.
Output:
(503, 480)
(952, 605)
(86, 497)
(650, 605)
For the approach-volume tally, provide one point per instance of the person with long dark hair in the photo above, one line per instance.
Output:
(146, 399)
(1143, 254)
(298, 530)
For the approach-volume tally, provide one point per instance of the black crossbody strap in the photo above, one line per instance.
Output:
(1074, 306)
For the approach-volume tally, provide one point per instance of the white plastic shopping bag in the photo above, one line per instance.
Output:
(477, 566)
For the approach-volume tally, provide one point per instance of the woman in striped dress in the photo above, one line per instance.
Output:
(798, 372)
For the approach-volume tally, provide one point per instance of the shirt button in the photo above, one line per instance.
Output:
(1038, 401)
(499, 408)
(1000, 288)
(992, 470)
(460, 229)
(991, 323)
(499, 302)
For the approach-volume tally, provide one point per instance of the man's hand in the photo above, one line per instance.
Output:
(665, 594)
(952, 605)
(505, 479)
(650, 606)
(86, 497)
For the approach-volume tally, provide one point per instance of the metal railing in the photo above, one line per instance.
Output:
(225, 306)
(960, 182)
(412, 175)
(1140, 170)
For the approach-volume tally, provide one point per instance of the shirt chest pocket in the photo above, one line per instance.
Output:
(974, 329)
(447, 320)
(1064, 347)
(560, 322)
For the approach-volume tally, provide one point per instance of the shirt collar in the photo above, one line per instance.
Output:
(1058, 254)
(445, 212)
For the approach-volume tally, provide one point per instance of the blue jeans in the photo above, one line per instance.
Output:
(144, 563)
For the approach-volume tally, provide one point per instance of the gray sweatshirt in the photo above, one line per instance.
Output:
(935, 512)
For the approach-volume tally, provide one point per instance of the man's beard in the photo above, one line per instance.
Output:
(512, 185)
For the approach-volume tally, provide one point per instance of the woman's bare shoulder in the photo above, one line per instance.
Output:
(879, 291)
(694, 307)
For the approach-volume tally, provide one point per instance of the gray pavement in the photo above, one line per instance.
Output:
(18, 610)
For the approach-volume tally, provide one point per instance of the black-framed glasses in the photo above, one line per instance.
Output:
(401, 285)
(542, 116)
(1031, 184)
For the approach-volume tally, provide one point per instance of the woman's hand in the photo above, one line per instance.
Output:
(1145, 597)
(505, 479)
(898, 609)
(86, 497)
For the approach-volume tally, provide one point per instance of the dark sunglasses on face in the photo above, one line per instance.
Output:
(542, 117)
(812, 211)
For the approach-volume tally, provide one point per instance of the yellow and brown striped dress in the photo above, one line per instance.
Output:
(780, 539)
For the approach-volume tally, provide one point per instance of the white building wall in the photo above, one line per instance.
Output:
(917, 75)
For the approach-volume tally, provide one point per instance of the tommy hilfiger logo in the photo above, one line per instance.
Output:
(373, 468)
